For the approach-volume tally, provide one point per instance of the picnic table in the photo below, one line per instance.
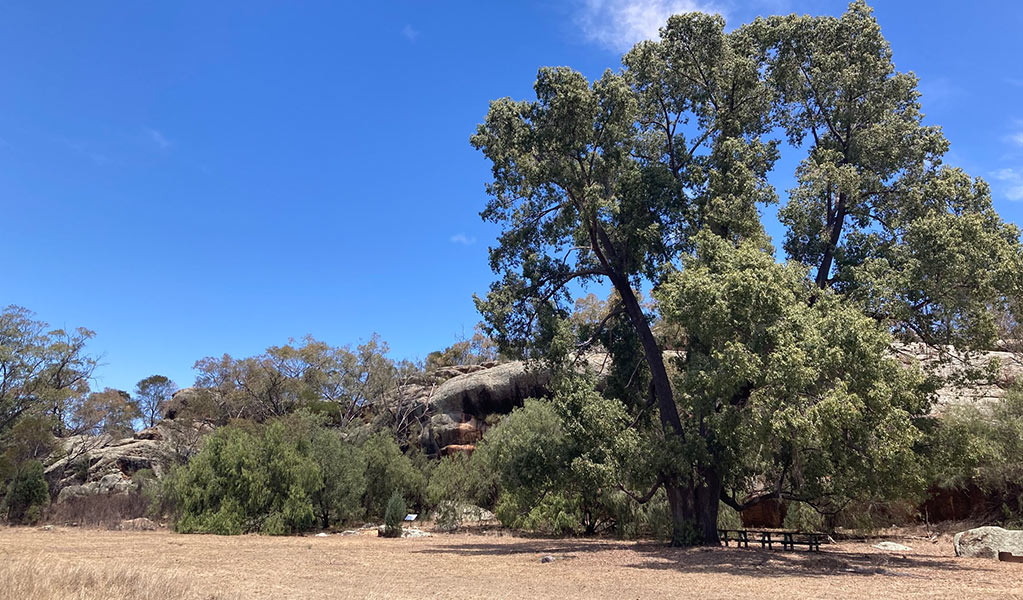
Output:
(767, 538)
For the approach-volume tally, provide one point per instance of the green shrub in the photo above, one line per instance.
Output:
(394, 516)
(728, 517)
(81, 468)
(800, 516)
(388, 470)
(342, 478)
(27, 494)
(244, 482)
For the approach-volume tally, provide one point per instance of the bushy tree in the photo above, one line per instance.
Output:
(42, 371)
(787, 390)
(625, 180)
(246, 481)
(342, 477)
(27, 493)
(152, 395)
(388, 470)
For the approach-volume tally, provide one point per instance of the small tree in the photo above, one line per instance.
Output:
(387, 470)
(394, 516)
(27, 494)
(152, 395)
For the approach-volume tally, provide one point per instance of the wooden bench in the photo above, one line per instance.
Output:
(767, 539)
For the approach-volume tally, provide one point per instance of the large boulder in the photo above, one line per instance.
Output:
(987, 542)
(85, 465)
(459, 406)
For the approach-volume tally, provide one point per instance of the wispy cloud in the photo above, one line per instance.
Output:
(618, 24)
(1015, 81)
(158, 138)
(1012, 182)
(410, 33)
(461, 238)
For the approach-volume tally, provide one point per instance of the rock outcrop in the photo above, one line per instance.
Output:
(91, 465)
(1006, 368)
(988, 542)
(459, 407)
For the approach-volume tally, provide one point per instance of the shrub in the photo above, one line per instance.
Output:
(981, 446)
(394, 516)
(246, 482)
(342, 478)
(27, 494)
(388, 470)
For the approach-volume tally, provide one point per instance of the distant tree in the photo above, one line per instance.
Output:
(110, 411)
(152, 395)
(341, 382)
(42, 371)
(465, 351)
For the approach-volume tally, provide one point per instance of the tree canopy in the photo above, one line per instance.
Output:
(651, 177)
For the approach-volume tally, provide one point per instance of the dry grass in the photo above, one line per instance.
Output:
(167, 565)
(44, 577)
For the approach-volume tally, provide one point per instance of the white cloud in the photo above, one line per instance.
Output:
(410, 33)
(461, 238)
(158, 138)
(1013, 182)
(619, 24)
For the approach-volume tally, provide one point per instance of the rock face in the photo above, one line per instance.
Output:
(458, 407)
(987, 542)
(91, 465)
(977, 392)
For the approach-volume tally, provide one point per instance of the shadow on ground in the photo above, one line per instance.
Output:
(756, 562)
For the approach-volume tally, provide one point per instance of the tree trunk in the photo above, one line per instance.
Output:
(693, 504)
(824, 271)
(694, 509)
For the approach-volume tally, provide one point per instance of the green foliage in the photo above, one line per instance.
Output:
(800, 393)
(457, 481)
(388, 471)
(152, 395)
(244, 482)
(728, 517)
(394, 515)
(27, 494)
(982, 446)
(800, 516)
(342, 477)
(286, 378)
(45, 372)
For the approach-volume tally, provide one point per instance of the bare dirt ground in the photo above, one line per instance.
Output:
(167, 565)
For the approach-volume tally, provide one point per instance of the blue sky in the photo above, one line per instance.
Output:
(194, 178)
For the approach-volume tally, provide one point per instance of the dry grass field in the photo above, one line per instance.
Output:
(85, 564)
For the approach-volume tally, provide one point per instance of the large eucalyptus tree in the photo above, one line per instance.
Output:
(652, 177)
